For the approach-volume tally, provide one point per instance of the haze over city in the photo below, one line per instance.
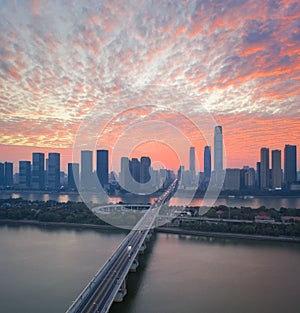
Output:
(125, 63)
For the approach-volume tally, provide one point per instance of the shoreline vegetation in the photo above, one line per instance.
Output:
(220, 221)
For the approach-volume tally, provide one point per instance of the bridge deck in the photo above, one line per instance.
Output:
(101, 291)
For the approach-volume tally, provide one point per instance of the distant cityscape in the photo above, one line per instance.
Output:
(45, 174)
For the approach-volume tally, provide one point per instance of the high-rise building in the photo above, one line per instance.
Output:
(102, 167)
(8, 174)
(218, 149)
(86, 181)
(276, 169)
(73, 176)
(2, 180)
(249, 178)
(145, 167)
(24, 174)
(134, 166)
(38, 171)
(290, 164)
(192, 159)
(125, 173)
(264, 168)
(257, 177)
(207, 161)
(232, 179)
(53, 171)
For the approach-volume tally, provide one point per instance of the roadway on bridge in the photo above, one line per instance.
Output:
(102, 289)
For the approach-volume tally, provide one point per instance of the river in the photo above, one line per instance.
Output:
(44, 269)
(254, 202)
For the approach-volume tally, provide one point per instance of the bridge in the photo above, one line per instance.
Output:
(109, 283)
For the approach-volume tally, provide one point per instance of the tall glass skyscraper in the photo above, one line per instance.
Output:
(38, 171)
(53, 175)
(192, 159)
(207, 161)
(276, 169)
(86, 181)
(9, 174)
(218, 149)
(2, 180)
(145, 167)
(24, 174)
(290, 164)
(264, 168)
(102, 167)
(73, 176)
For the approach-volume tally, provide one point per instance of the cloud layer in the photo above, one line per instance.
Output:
(60, 60)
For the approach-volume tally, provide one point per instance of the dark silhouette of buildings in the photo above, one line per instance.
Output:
(2, 179)
(73, 176)
(192, 160)
(207, 161)
(257, 179)
(135, 169)
(38, 171)
(24, 174)
(290, 165)
(53, 171)
(276, 169)
(218, 149)
(264, 168)
(102, 167)
(86, 181)
(8, 175)
(144, 171)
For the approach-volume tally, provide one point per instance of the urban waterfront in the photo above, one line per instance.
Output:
(46, 268)
(238, 201)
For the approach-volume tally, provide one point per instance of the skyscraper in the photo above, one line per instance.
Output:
(8, 174)
(53, 174)
(125, 173)
(73, 175)
(134, 166)
(257, 178)
(102, 167)
(145, 166)
(264, 168)
(24, 174)
(38, 171)
(86, 181)
(207, 161)
(218, 149)
(276, 169)
(192, 159)
(290, 164)
(1, 175)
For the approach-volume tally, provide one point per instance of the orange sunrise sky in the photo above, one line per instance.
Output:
(149, 78)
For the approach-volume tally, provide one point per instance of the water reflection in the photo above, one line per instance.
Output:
(255, 202)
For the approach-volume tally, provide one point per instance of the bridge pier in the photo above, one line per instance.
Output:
(148, 238)
(122, 292)
(142, 248)
(134, 265)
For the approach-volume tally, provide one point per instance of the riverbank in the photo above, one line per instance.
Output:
(180, 231)
(167, 230)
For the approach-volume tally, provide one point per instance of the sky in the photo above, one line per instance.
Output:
(149, 78)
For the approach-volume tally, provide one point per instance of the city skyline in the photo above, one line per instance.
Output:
(95, 169)
(61, 62)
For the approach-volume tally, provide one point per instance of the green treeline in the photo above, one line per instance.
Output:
(266, 229)
(292, 228)
(49, 211)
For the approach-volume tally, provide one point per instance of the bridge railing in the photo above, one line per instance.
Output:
(140, 225)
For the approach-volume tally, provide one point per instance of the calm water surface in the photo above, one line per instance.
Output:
(43, 270)
(255, 202)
